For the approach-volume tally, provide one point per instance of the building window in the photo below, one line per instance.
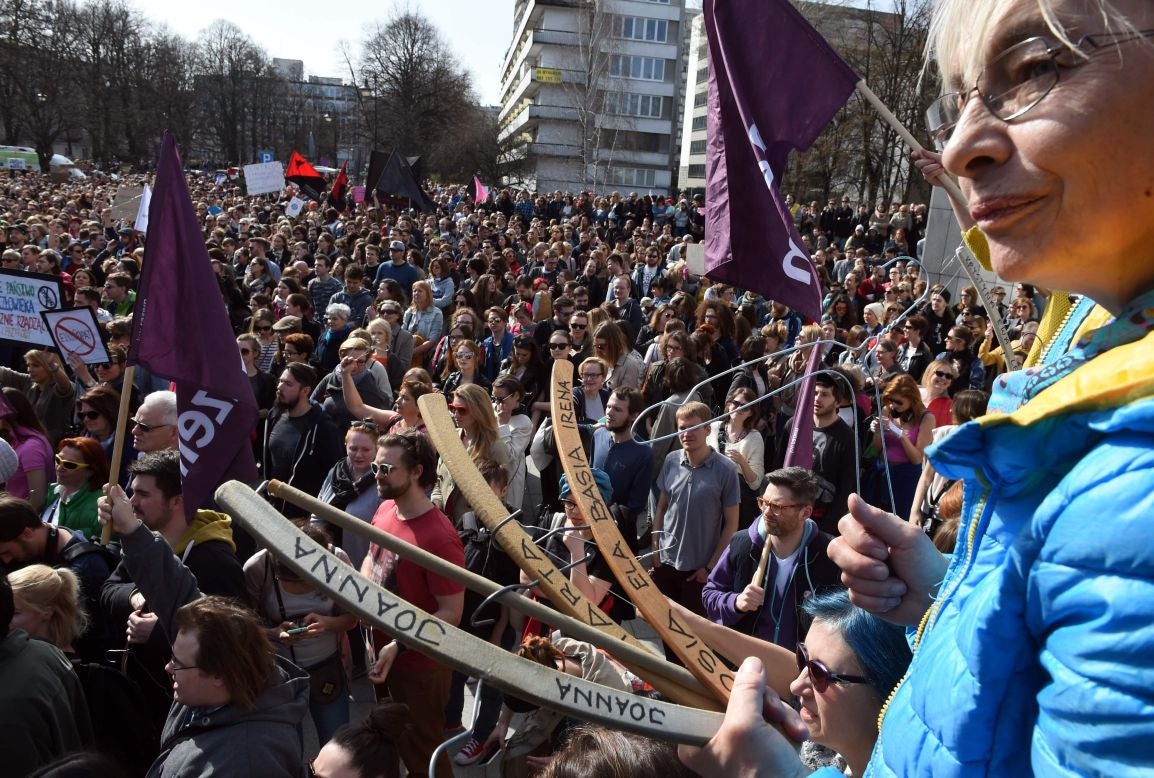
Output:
(633, 177)
(641, 68)
(699, 122)
(697, 146)
(700, 99)
(639, 28)
(629, 104)
(697, 171)
(703, 75)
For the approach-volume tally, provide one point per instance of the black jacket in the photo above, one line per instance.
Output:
(317, 451)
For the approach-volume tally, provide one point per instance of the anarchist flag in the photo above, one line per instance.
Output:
(304, 175)
(340, 188)
(190, 344)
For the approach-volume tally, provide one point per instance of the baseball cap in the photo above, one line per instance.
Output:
(287, 324)
(396, 245)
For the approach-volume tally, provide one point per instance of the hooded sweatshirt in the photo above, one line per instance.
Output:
(265, 740)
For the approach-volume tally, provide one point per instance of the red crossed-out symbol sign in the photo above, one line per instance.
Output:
(75, 336)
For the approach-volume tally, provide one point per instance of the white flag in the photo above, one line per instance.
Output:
(141, 223)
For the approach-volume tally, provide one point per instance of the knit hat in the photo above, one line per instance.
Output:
(600, 477)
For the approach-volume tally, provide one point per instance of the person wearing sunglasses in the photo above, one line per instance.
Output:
(81, 472)
(262, 327)
(263, 384)
(472, 411)
(406, 467)
(154, 425)
(1031, 646)
(464, 366)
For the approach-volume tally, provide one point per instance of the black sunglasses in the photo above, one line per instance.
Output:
(365, 424)
(89, 415)
(820, 675)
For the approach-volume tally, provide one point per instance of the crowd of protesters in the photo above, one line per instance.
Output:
(345, 316)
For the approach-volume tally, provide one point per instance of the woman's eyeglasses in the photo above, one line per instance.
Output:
(464, 356)
(69, 464)
(147, 427)
(821, 676)
(944, 374)
(88, 415)
(463, 410)
(558, 346)
(1019, 78)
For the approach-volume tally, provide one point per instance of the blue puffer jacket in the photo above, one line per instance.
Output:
(1038, 655)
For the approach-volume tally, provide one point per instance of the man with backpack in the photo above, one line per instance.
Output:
(26, 540)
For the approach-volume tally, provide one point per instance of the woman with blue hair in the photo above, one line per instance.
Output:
(842, 675)
(849, 664)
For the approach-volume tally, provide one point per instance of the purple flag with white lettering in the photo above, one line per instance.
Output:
(181, 331)
(774, 84)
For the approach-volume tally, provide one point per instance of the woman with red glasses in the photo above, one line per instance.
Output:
(81, 472)
(472, 410)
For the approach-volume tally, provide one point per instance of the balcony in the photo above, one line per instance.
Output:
(552, 149)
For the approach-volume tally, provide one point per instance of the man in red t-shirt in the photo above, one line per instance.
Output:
(405, 468)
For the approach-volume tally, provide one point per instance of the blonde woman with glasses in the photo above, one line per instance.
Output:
(1033, 648)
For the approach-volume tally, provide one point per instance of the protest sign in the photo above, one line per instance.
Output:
(127, 204)
(358, 194)
(76, 331)
(23, 297)
(264, 177)
(295, 206)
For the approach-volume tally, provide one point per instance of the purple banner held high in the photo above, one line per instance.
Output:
(774, 84)
(181, 331)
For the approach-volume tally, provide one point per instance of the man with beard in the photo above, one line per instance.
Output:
(770, 608)
(834, 453)
(205, 546)
(405, 468)
(628, 463)
(301, 441)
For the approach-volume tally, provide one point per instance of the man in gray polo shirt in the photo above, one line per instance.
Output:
(696, 513)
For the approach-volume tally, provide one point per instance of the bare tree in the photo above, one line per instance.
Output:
(412, 90)
(35, 35)
(858, 151)
(230, 69)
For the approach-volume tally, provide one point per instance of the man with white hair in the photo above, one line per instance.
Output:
(154, 426)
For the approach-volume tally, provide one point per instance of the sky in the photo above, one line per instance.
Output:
(477, 32)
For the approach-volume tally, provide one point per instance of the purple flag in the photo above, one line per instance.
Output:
(774, 84)
(181, 331)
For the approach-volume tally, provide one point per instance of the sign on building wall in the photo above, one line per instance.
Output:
(547, 75)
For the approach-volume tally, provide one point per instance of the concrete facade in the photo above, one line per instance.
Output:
(591, 94)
